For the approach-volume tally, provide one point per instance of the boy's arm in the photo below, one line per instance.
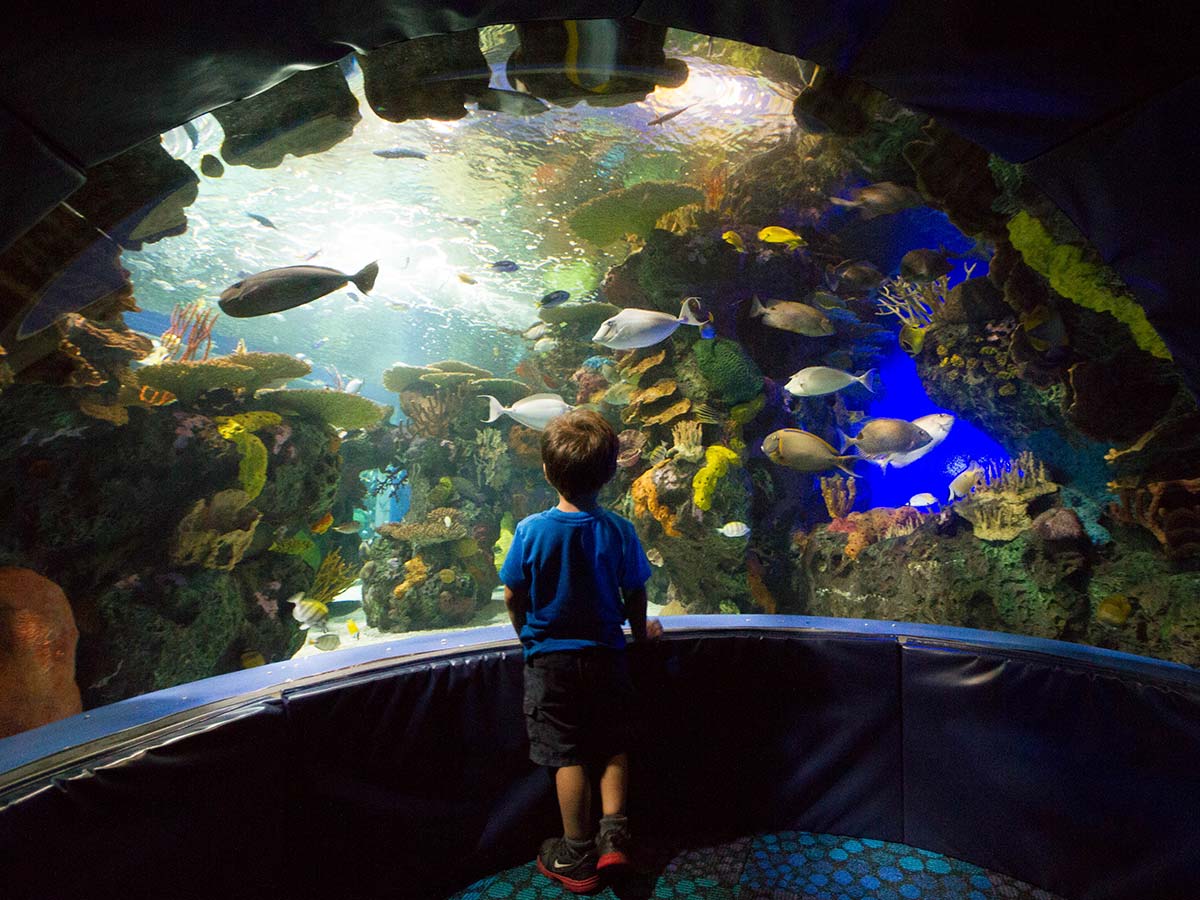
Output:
(635, 610)
(518, 607)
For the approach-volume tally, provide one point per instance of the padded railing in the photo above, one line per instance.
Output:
(399, 770)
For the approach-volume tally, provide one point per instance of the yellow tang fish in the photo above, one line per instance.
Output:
(733, 239)
(466, 279)
(777, 234)
(352, 628)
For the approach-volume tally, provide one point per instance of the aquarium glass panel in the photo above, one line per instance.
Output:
(273, 383)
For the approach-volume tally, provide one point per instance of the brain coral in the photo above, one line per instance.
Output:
(732, 376)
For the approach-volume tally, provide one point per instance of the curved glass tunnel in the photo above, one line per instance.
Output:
(997, 438)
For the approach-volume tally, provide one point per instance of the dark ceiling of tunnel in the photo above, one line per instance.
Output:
(1099, 102)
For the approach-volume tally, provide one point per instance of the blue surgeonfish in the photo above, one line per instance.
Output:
(633, 328)
(278, 289)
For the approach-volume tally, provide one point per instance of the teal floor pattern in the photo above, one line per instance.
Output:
(787, 865)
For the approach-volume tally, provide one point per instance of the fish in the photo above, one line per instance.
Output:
(210, 166)
(352, 629)
(885, 435)
(535, 411)
(322, 524)
(353, 386)
(816, 381)
(320, 342)
(466, 279)
(925, 265)
(856, 276)
(353, 297)
(262, 220)
(554, 298)
(826, 300)
(544, 345)
(965, 482)
(805, 452)
(936, 425)
(620, 394)
(654, 556)
(398, 153)
(278, 289)
(513, 103)
(880, 199)
(505, 265)
(251, 659)
(798, 318)
(328, 641)
(912, 338)
(925, 499)
(777, 234)
(1044, 328)
(308, 612)
(397, 305)
(734, 529)
(733, 239)
(667, 117)
(313, 255)
(633, 328)
(347, 528)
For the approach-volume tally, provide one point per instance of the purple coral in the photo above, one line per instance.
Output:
(267, 604)
(186, 427)
(282, 432)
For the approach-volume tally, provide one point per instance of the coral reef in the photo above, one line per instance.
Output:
(239, 372)
(730, 373)
(879, 524)
(217, 532)
(717, 460)
(441, 525)
(339, 409)
(838, 494)
(644, 496)
(333, 577)
(1000, 509)
(493, 467)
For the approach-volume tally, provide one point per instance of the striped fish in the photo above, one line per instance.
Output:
(308, 612)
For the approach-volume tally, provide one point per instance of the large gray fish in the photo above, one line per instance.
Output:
(880, 199)
(278, 289)
(880, 436)
(513, 103)
(632, 328)
(798, 318)
(804, 451)
(936, 425)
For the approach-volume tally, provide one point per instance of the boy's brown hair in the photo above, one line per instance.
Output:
(579, 450)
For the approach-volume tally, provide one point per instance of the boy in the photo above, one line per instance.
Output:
(563, 577)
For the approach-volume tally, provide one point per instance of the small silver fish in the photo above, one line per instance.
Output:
(534, 411)
(328, 641)
(880, 199)
(816, 381)
(632, 328)
(353, 386)
(925, 499)
(734, 529)
(513, 103)
(399, 153)
(347, 528)
(667, 117)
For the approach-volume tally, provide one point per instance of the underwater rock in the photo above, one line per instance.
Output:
(308, 113)
(1120, 398)
(953, 173)
(37, 652)
(1168, 451)
(425, 78)
(973, 301)
(1169, 510)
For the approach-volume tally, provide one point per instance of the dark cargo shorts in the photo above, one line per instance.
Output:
(578, 705)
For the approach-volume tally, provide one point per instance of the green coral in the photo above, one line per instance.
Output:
(731, 374)
(341, 410)
(500, 548)
(717, 460)
(402, 376)
(252, 467)
(633, 210)
(493, 465)
(1080, 281)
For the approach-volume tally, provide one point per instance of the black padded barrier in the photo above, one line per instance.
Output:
(1074, 772)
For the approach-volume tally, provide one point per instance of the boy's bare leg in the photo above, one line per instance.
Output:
(613, 785)
(575, 801)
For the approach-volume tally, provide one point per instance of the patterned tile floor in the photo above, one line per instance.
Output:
(788, 865)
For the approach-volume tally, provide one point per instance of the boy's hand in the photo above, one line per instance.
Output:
(654, 629)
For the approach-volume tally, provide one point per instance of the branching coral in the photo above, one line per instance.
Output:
(688, 444)
(429, 414)
(493, 468)
(333, 577)
(189, 336)
(1080, 281)
(838, 494)
(999, 510)
(1169, 510)
(717, 460)
(647, 505)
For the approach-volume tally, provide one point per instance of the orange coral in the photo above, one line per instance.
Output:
(756, 581)
(838, 494)
(646, 504)
(865, 528)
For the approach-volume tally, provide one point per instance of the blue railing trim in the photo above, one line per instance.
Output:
(276, 678)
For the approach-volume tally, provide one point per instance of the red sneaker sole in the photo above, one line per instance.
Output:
(574, 885)
(611, 860)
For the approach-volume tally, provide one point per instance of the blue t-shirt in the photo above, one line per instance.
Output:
(574, 565)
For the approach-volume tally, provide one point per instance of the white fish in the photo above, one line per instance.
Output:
(734, 529)
(633, 328)
(544, 345)
(815, 381)
(964, 481)
(354, 386)
(936, 425)
(534, 411)
(925, 499)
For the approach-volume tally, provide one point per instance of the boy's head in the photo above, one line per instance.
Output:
(579, 452)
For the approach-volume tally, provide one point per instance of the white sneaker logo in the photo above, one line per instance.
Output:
(559, 865)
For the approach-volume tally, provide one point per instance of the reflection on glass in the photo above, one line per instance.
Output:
(273, 384)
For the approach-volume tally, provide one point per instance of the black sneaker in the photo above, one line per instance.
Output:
(574, 871)
(612, 849)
